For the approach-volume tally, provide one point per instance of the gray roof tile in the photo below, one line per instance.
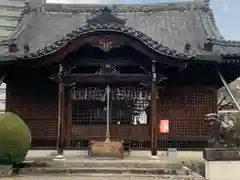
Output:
(168, 25)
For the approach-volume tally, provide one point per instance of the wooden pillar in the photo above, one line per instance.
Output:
(69, 119)
(153, 111)
(60, 136)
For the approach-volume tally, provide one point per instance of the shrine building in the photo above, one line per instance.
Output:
(81, 72)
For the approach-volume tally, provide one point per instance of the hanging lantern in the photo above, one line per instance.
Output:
(164, 126)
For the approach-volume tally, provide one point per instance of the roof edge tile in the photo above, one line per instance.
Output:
(212, 20)
(224, 42)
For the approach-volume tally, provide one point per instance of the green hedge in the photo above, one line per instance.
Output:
(15, 139)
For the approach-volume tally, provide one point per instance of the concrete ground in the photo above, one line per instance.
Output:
(102, 177)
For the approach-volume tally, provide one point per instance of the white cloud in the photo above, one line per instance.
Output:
(225, 7)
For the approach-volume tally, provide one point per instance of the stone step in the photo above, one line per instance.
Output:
(86, 165)
(107, 164)
(103, 170)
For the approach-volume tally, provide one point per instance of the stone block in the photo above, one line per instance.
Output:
(222, 170)
(222, 163)
(6, 171)
(221, 154)
(106, 149)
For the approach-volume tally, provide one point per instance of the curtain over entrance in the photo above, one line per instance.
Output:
(126, 111)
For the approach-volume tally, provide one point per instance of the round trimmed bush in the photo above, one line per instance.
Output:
(15, 139)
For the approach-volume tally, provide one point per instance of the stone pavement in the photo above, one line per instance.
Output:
(79, 166)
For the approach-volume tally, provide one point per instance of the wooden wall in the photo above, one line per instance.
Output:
(36, 103)
(185, 108)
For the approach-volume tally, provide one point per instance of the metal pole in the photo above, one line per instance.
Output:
(2, 78)
(228, 90)
(108, 114)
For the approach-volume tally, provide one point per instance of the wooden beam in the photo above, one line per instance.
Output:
(108, 78)
(153, 123)
(118, 62)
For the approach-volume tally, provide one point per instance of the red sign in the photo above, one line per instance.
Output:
(164, 126)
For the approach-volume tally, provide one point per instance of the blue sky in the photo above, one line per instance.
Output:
(227, 12)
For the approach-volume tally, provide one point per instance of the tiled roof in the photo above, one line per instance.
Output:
(164, 27)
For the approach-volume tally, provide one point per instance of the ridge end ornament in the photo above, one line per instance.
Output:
(105, 17)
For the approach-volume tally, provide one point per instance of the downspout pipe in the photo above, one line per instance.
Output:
(1, 79)
(228, 89)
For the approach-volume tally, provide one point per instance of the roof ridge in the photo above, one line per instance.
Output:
(182, 5)
(224, 42)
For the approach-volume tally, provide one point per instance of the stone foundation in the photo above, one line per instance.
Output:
(106, 149)
(184, 155)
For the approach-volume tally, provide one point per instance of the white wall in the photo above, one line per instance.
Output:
(10, 11)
